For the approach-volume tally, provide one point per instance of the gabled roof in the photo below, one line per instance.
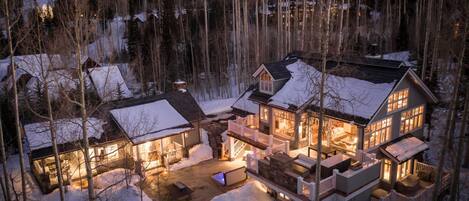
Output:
(150, 121)
(356, 87)
(278, 70)
(243, 106)
(109, 83)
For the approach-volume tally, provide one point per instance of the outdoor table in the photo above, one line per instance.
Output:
(326, 151)
(300, 170)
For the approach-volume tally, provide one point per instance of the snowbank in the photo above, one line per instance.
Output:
(217, 106)
(252, 191)
(197, 154)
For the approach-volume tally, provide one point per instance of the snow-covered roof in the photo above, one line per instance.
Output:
(403, 56)
(57, 80)
(347, 95)
(405, 148)
(150, 121)
(109, 83)
(68, 130)
(244, 104)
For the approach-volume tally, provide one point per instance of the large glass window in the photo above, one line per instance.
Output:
(265, 83)
(412, 120)
(112, 152)
(404, 169)
(264, 114)
(387, 170)
(377, 133)
(284, 123)
(398, 100)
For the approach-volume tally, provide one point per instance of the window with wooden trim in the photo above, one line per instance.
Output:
(264, 114)
(398, 100)
(404, 169)
(387, 170)
(265, 83)
(284, 123)
(412, 119)
(377, 133)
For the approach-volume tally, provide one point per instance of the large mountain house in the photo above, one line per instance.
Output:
(374, 129)
(144, 134)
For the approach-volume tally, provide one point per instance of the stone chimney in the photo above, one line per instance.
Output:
(180, 85)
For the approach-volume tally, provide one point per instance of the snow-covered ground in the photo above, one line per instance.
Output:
(217, 106)
(197, 154)
(439, 117)
(252, 191)
(118, 192)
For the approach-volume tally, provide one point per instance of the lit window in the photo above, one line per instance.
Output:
(398, 100)
(386, 170)
(377, 133)
(112, 152)
(284, 123)
(264, 113)
(265, 83)
(412, 119)
(403, 169)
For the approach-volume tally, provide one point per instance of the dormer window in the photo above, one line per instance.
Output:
(265, 83)
(398, 100)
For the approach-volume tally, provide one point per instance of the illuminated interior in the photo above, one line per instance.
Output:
(264, 113)
(387, 170)
(153, 153)
(377, 133)
(284, 123)
(412, 119)
(343, 136)
(404, 169)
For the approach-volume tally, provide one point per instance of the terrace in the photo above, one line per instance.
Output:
(295, 176)
(418, 186)
(243, 132)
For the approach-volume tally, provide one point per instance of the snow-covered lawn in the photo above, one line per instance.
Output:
(217, 106)
(252, 191)
(197, 154)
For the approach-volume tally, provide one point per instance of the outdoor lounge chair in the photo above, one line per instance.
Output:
(305, 161)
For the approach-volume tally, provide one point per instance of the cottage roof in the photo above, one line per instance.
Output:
(403, 148)
(109, 83)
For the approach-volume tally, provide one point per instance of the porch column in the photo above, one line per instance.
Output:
(296, 142)
(186, 151)
(230, 148)
(361, 135)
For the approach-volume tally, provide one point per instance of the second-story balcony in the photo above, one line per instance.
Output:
(245, 137)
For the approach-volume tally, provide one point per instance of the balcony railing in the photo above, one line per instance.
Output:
(273, 144)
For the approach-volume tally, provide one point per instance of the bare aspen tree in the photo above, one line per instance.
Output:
(321, 99)
(436, 43)
(279, 28)
(3, 158)
(427, 38)
(15, 99)
(451, 119)
(207, 56)
(257, 33)
(457, 169)
(341, 21)
(303, 26)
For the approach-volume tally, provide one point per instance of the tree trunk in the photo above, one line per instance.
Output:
(454, 192)
(436, 44)
(427, 38)
(321, 100)
(303, 25)
(4, 161)
(15, 105)
(341, 21)
(451, 119)
(257, 34)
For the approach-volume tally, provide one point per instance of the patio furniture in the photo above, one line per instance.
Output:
(325, 151)
(305, 161)
(180, 191)
(300, 170)
(379, 193)
(409, 185)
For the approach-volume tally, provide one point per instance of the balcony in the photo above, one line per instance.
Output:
(345, 178)
(423, 190)
(244, 133)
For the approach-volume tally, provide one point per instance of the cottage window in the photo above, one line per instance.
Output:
(403, 169)
(112, 152)
(284, 123)
(377, 133)
(387, 170)
(398, 100)
(412, 120)
(265, 83)
(264, 114)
